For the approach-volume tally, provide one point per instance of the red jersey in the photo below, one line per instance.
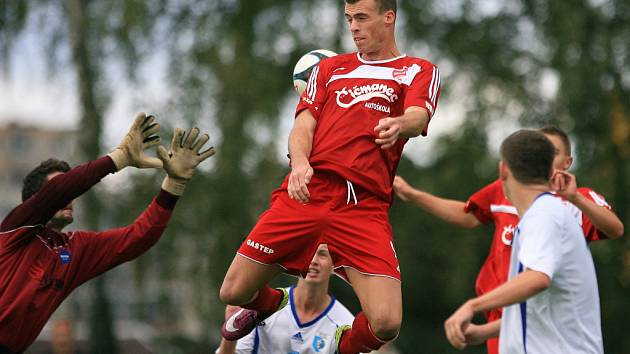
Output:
(348, 96)
(39, 267)
(490, 205)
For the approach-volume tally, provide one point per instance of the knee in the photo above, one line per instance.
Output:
(386, 325)
(230, 295)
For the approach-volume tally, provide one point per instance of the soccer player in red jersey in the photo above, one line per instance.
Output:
(490, 205)
(40, 264)
(352, 122)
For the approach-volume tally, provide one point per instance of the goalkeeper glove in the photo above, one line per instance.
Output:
(141, 136)
(182, 159)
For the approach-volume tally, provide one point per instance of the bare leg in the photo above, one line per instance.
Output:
(381, 301)
(244, 278)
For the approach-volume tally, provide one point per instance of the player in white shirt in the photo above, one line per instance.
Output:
(551, 301)
(307, 325)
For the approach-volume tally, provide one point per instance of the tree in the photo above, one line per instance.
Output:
(84, 26)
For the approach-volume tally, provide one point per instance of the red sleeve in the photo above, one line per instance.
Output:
(590, 231)
(314, 96)
(97, 252)
(479, 203)
(57, 193)
(424, 91)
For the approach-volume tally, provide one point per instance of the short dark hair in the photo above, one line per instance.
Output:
(529, 155)
(555, 131)
(37, 177)
(382, 5)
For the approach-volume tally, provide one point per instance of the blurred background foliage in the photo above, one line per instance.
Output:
(504, 64)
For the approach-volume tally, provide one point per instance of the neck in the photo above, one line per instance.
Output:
(387, 52)
(523, 196)
(311, 297)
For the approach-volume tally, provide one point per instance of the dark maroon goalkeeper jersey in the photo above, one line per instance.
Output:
(39, 267)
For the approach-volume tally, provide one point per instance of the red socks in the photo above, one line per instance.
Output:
(360, 339)
(266, 302)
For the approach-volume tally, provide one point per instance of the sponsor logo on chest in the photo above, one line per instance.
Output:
(378, 83)
(348, 97)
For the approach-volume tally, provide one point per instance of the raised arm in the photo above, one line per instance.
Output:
(602, 217)
(451, 211)
(300, 145)
(101, 251)
(62, 189)
(104, 250)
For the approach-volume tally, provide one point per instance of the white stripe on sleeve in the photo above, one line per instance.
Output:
(437, 85)
(312, 83)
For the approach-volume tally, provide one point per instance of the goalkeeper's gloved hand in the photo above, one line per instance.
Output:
(182, 159)
(141, 136)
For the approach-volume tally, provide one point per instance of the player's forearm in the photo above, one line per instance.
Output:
(491, 329)
(58, 193)
(517, 290)
(147, 229)
(300, 145)
(477, 334)
(301, 137)
(227, 347)
(413, 122)
(451, 211)
(112, 247)
(604, 219)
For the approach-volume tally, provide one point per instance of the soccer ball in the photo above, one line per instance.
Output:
(305, 65)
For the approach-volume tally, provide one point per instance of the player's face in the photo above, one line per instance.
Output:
(320, 269)
(368, 27)
(562, 159)
(63, 217)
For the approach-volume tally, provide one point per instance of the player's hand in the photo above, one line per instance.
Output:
(301, 174)
(183, 157)
(141, 136)
(403, 190)
(456, 325)
(475, 334)
(564, 184)
(388, 132)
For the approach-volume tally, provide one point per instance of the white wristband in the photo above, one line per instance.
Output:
(120, 158)
(175, 187)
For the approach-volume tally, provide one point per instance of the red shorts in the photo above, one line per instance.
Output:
(351, 221)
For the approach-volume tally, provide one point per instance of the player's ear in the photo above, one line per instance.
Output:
(568, 162)
(390, 17)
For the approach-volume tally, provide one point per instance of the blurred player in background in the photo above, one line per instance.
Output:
(551, 300)
(490, 205)
(307, 324)
(351, 125)
(40, 264)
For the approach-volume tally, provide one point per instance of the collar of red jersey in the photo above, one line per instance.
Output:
(379, 61)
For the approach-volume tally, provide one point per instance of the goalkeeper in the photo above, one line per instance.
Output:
(40, 264)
